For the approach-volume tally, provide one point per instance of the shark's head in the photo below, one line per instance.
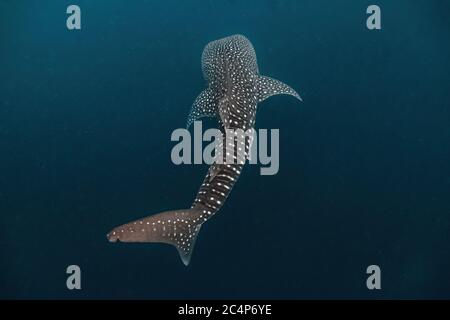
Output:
(219, 55)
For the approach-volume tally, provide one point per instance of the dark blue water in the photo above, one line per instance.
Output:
(85, 124)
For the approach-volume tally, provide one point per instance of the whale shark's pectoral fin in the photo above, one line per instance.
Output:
(268, 87)
(178, 228)
(205, 105)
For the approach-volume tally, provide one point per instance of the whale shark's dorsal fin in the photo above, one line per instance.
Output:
(268, 87)
(223, 109)
(204, 106)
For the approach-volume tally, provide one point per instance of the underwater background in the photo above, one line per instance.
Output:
(85, 124)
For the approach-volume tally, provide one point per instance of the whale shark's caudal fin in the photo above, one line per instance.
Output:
(178, 228)
(268, 87)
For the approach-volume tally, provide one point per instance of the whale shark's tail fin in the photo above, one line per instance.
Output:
(178, 228)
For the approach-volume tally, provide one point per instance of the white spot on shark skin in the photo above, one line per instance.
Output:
(234, 88)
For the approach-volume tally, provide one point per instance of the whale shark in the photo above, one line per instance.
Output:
(234, 89)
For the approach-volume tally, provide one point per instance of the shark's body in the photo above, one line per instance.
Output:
(234, 90)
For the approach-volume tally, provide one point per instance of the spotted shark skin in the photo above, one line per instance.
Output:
(235, 87)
